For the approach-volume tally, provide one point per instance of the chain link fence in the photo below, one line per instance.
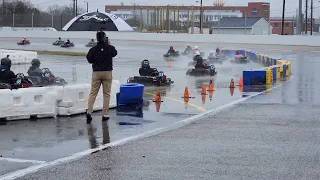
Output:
(35, 20)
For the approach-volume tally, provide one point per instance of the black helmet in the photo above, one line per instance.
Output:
(101, 36)
(35, 62)
(145, 63)
(59, 37)
(6, 62)
(92, 39)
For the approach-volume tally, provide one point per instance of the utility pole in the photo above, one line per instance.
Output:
(283, 12)
(306, 23)
(76, 7)
(300, 18)
(311, 21)
(201, 19)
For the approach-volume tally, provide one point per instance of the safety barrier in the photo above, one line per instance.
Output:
(273, 70)
(75, 99)
(18, 57)
(50, 101)
(26, 103)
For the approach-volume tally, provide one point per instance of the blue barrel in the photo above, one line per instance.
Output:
(254, 77)
(130, 93)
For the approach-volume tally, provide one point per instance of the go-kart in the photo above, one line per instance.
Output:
(19, 82)
(210, 70)
(58, 43)
(24, 43)
(242, 60)
(67, 44)
(175, 54)
(193, 63)
(155, 79)
(91, 44)
(47, 79)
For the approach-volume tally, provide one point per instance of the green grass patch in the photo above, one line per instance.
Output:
(62, 53)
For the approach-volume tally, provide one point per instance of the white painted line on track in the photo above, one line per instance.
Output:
(315, 51)
(21, 160)
(32, 169)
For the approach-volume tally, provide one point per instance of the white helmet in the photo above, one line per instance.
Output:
(197, 53)
(196, 47)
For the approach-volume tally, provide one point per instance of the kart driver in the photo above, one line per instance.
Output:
(24, 40)
(59, 39)
(238, 55)
(146, 70)
(35, 70)
(200, 63)
(197, 56)
(188, 49)
(211, 55)
(68, 41)
(171, 50)
(218, 52)
(196, 49)
(6, 75)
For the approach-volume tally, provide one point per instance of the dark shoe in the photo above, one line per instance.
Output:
(105, 118)
(89, 118)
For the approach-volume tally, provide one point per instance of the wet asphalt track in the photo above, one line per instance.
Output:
(62, 137)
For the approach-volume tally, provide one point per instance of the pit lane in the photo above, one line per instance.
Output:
(50, 139)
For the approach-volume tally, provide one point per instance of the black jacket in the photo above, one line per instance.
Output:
(35, 71)
(7, 76)
(101, 56)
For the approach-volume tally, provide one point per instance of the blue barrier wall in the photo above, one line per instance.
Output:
(275, 68)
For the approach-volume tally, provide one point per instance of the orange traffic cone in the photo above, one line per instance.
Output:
(240, 83)
(211, 87)
(186, 93)
(169, 63)
(157, 97)
(231, 84)
(203, 89)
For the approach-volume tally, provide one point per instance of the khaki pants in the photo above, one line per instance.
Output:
(98, 78)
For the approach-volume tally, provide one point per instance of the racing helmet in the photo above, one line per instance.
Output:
(59, 38)
(101, 36)
(145, 63)
(237, 52)
(92, 40)
(196, 47)
(35, 62)
(188, 45)
(197, 53)
(217, 50)
(6, 62)
(211, 52)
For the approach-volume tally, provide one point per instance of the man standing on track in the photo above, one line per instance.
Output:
(101, 57)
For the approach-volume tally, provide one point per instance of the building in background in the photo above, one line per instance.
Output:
(152, 15)
(243, 25)
(289, 25)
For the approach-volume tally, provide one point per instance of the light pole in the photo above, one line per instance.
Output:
(283, 12)
(201, 20)
(87, 5)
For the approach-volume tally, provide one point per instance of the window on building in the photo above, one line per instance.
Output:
(287, 24)
(276, 24)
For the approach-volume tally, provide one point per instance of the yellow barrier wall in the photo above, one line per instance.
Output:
(269, 76)
(278, 71)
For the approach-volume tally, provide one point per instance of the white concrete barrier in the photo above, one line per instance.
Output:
(214, 38)
(27, 102)
(75, 99)
(50, 101)
(18, 57)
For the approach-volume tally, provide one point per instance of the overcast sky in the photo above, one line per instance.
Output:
(276, 5)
